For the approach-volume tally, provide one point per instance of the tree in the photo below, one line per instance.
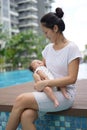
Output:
(21, 48)
(3, 39)
(85, 54)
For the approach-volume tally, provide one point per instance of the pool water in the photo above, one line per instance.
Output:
(21, 76)
(15, 77)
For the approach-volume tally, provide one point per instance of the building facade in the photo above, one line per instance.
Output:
(44, 6)
(22, 15)
(28, 16)
(5, 15)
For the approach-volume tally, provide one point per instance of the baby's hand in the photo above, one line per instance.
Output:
(39, 86)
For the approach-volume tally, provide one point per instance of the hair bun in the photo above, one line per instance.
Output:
(59, 12)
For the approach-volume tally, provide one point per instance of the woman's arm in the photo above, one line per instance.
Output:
(71, 77)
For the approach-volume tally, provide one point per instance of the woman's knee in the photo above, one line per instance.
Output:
(26, 100)
(29, 114)
(19, 100)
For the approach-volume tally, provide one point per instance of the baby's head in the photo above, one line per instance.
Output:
(34, 64)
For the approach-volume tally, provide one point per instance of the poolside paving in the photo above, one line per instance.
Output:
(79, 108)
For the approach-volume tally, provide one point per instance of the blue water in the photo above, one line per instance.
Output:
(21, 76)
(15, 77)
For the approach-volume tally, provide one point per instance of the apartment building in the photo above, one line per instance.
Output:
(9, 16)
(44, 6)
(5, 15)
(14, 15)
(21, 15)
(28, 17)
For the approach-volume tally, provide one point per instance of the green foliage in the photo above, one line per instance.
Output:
(3, 38)
(1, 60)
(3, 35)
(21, 48)
(86, 46)
(85, 58)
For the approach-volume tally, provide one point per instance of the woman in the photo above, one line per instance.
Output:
(62, 58)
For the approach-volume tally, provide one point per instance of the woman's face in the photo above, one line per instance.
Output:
(49, 33)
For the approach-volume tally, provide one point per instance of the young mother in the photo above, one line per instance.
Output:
(62, 58)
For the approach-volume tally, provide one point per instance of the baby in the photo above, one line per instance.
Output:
(42, 73)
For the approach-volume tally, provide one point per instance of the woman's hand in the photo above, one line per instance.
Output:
(40, 85)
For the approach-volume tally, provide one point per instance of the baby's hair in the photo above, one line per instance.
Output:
(31, 68)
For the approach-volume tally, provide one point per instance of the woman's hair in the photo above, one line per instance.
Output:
(51, 19)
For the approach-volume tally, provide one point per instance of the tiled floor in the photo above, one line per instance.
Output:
(51, 122)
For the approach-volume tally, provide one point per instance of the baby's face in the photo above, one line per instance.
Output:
(36, 63)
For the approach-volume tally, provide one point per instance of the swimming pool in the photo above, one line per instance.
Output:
(21, 76)
(15, 77)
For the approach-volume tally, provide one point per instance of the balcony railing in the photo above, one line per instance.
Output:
(27, 7)
(28, 16)
(25, 1)
(29, 24)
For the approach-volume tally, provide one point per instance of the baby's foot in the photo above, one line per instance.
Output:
(56, 103)
(67, 96)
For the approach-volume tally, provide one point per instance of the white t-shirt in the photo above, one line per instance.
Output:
(57, 60)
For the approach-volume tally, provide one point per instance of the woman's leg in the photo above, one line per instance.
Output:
(27, 119)
(23, 101)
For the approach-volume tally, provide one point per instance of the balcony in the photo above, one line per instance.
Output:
(13, 13)
(14, 21)
(49, 1)
(31, 24)
(26, 1)
(26, 8)
(29, 16)
(13, 4)
(14, 30)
